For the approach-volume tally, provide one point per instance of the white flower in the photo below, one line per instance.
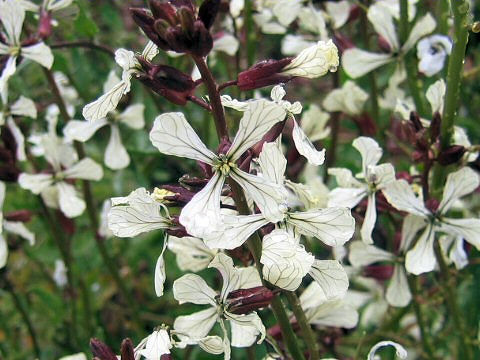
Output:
(12, 17)
(60, 273)
(421, 257)
(349, 99)
(79, 356)
(375, 177)
(173, 135)
(193, 289)
(432, 52)
(107, 102)
(14, 227)
(192, 253)
(157, 344)
(394, 93)
(357, 62)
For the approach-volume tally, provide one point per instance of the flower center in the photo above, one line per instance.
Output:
(14, 51)
(224, 165)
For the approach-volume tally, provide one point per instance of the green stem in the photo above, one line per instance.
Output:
(307, 332)
(443, 11)
(450, 292)
(427, 346)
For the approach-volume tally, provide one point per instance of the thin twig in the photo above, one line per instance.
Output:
(83, 44)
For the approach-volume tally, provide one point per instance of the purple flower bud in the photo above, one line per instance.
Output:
(366, 124)
(101, 351)
(415, 119)
(379, 272)
(265, 73)
(126, 350)
(451, 155)
(19, 215)
(435, 126)
(45, 25)
(432, 204)
(208, 12)
(244, 301)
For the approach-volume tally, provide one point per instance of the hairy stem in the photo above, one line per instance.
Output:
(307, 332)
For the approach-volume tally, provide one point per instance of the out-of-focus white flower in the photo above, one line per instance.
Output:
(349, 99)
(399, 350)
(12, 17)
(375, 178)
(394, 93)
(432, 52)
(79, 356)
(421, 258)
(60, 273)
(357, 62)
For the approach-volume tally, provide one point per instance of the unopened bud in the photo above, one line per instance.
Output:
(366, 124)
(476, 27)
(187, 19)
(264, 73)
(435, 126)
(415, 120)
(451, 155)
(384, 44)
(208, 12)
(101, 350)
(45, 25)
(432, 204)
(19, 216)
(126, 350)
(379, 272)
(244, 301)
(163, 10)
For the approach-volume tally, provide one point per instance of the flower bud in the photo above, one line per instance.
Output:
(126, 350)
(163, 10)
(45, 25)
(177, 229)
(384, 45)
(342, 42)
(187, 19)
(432, 204)
(244, 301)
(208, 12)
(415, 120)
(263, 74)
(19, 215)
(379, 272)
(366, 124)
(435, 126)
(451, 155)
(101, 351)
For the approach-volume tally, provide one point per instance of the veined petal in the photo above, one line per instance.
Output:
(305, 147)
(197, 325)
(369, 220)
(126, 59)
(381, 175)
(35, 183)
(411, 225)
(382, 21)
(12, 17)
(333, 226)
(333, 313)
(369, 150)
(3, 251)
(201, 216)
(235, 231)
(331, 277)
(315, 123)
(459, 184)
(80, 130)
(269, 197)
(469, 229)
(349, 99)
(133, 117)
(116, 156)
(173, 135)
(192, 253)
(99, 108)
(249, 277)
(346, 197)
(212, 344)
(255, 123)
(398, 292)
(312, 296)
(245, 329)
(160, 274)
(85, 169)
(421, 258)
(273, 163)
(285, 263)
(401, 196)
(344, 178)
(193, 289)
(357, 63)
(362, 254)
(70, 203)
(19, 139)
(422, 27)
(230, 274)
(24, 107)
(229, 102)
(158, 344)
(39, 53)
(436, 94)
(150, 51)
(8, 70)
(19, 228)
(399, 349)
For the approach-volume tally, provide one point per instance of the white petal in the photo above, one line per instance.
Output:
(349, 99)
(86, 169)
(315, 123)
(192, 254)
(116, 156)
(236, 7)
(468, 229)
(339, 12)
(150, 51)
(369, 220)
(227, 44)
(357, 63)
(362, 254)
(411, 225)
(422, 27)
(399, 349)
(103, 229)
(111, 82)
(421, 258)
(79, 356)
(333, 313)
(436, 94)
(8, 70)
(344, 178)
(24, 107)
(249, 277)
(3, 188)
(269, 197)
(286, 10)
(333, 226)
(305, 147)
(285, 263)
(245, 329)
(99, 108)
(273, 163)
(382, 21)
(235, 231)
(459, 184)
(39, 53)
(294, 44)
(133, 117)
(430, 65)
(3, 251)
(346, 197)
(196, 325)
(126, 59)
(401, 196)
(235, 104)
(369, 149)
(19, 228)
(19, 139)
(80, 130)
(69, 201)
(201, 216)
(135, 214)
(255, 123)
(230, 274)
(398, 293)
(314, 61)
(173, 135)
(12, 17)
(331, 277)
(212, 344)
(35, 183)
(158, 344)
(160, 274)
(193, 289)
